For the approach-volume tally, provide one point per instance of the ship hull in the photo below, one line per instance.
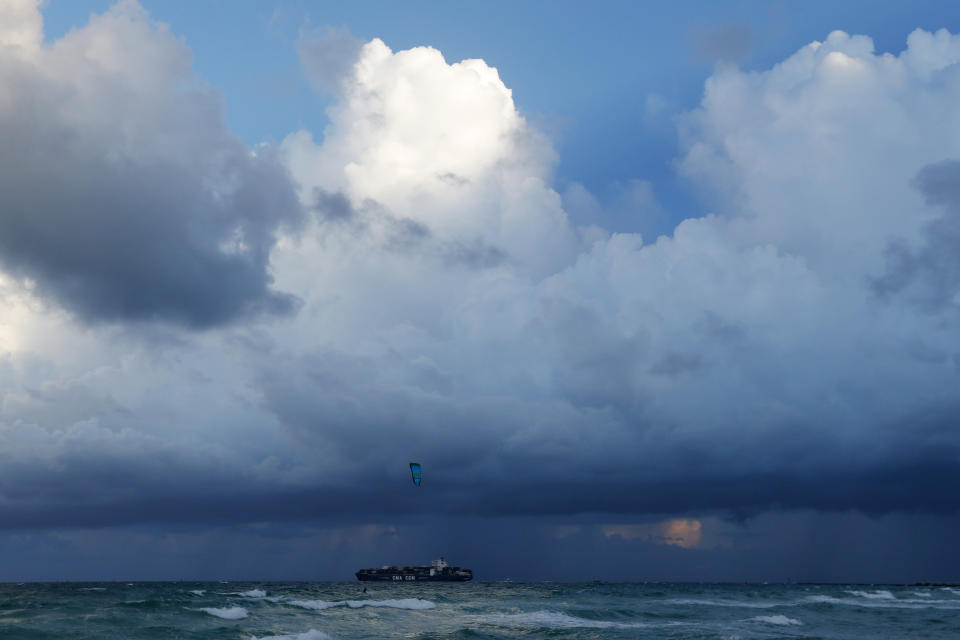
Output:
(408, 577)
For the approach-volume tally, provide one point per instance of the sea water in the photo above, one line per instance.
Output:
(478, 610)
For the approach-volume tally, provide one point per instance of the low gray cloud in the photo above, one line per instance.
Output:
(675, 363)
(801, 546)
(475, 255)
(136, 203)
(404, 235)
(929, 275)
(332, 207)
(142, 242)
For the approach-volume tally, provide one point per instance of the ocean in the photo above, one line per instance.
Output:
(478, 610)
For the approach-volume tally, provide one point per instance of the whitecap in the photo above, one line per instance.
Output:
(253, 593)
(880, 594)
(198, 592)
(93, 588)
(725, 603)
(227, 613)
(923, 594)
(407, 603)
(886, 603)
(312, 634)
(554, 620)
(316, 605)
(778, 620)
(824, 599)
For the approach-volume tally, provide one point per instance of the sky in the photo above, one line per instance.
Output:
(651, 292)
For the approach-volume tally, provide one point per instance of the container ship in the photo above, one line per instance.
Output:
(438, 571)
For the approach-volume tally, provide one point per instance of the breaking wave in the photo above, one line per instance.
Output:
(312, 634)
(555, 620)
(227, 613)
(778, 620)
(407, 603)
(880, 602)
(726, 603)
(875, 595)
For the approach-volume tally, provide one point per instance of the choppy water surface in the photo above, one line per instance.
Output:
(339, 611)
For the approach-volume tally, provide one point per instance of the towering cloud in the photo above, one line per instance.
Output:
(442, 146)
(817, 154)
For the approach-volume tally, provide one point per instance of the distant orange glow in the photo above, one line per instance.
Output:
(684, 533)
(681, 533)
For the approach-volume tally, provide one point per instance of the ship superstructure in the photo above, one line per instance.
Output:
(438, 571)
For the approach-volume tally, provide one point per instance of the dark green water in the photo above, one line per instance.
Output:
(321, 611)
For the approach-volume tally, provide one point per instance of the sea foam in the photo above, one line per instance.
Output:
(312, 634)
(555, 620)
(228, 613)
(253, 593)
(725, 603)
(778, 620)
(874, 595)
(407, 603)
(880, 602)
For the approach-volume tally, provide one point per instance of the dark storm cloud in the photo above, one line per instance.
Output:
(365, 478)
(531, 552)
(141, 242)
(929, 276)
(779, 546)
(359, 421)
(135, 203)
(514, 457)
